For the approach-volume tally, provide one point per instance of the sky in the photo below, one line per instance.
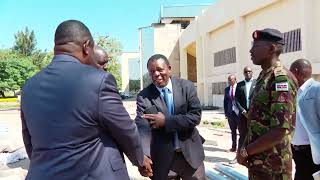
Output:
(119, 19)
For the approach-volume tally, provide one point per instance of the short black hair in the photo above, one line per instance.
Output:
(156, 57)
(72, 31)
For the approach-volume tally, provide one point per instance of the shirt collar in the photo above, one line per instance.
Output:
(305, 84)
(248, 81)
(169, 86)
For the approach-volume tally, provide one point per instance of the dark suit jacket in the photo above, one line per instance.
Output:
(227, 102)
(74, 124)
(240, 95)
(187, 115)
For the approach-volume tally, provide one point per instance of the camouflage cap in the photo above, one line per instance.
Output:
(271, 35)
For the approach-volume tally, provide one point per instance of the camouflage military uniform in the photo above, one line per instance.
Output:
(272, 106)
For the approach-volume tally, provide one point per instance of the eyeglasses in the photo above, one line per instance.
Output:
(247, 71)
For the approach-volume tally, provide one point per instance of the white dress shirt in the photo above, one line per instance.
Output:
(300, 136)
(248, 87)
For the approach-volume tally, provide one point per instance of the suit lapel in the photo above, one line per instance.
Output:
(253, 85)
(158, 100)
(306, 89)
(176, 95)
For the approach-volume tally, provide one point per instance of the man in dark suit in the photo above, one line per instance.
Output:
(243, 95)
(73, 122)
(175, 141)
(231, 111)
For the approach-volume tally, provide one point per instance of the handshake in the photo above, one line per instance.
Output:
(146, 169)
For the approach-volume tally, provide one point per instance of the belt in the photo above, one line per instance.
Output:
(300, 147)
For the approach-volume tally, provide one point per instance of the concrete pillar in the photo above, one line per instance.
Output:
(200, 77)
(183, 63)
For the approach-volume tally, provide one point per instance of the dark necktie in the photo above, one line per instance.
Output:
(232, 93)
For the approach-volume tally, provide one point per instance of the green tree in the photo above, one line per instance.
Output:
(134, 85)
(114, 49)
(25, 42)
(14, 71)
(41, 58)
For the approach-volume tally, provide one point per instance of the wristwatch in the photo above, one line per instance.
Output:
(243, 152)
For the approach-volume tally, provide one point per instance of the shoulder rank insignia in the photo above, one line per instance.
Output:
(279, 71)
(282, 86)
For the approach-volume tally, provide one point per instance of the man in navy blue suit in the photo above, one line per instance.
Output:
(74, 124)
(231, 110)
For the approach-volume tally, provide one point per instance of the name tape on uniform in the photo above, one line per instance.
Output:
(282, 86)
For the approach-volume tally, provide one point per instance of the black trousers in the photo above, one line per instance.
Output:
(304, 163)
(233, 122)
(243, 130)
(184, 170)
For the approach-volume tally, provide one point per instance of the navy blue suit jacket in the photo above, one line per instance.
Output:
(227, 102)
(75, 126)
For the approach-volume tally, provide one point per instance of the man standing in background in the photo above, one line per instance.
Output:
(231, 110)
(243, 95)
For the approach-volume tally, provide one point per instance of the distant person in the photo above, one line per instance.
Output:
(307, 131)
(101, 57)
(170, 126)
(267, 153)
(74, 125)
(231, 110)
(243, 95)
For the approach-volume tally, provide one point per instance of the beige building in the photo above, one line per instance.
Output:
(129, 69)
(217, 43)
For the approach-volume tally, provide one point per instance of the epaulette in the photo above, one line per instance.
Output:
(279, 70)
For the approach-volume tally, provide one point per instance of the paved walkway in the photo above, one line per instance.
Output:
(216, 145)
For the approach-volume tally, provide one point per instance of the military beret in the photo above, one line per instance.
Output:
(271, 35)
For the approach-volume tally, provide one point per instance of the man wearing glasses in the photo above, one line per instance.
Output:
(243, 95)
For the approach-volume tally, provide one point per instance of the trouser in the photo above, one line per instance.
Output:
(181, 169)
(304, 164)
(243, 130)
(253, 175)
(233, 121)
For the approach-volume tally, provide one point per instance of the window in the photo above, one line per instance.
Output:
(218, 87)
(226, 56)
(292, 41)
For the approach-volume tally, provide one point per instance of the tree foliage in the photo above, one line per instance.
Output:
(25, 42)
(14, 71)
(114, 49)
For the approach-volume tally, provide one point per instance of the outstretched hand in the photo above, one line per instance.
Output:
(146, 169)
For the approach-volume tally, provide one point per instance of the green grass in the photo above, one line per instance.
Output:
(218, 124)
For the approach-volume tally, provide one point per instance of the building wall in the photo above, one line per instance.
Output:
(229, 23)
(166, 42)
(126, 59)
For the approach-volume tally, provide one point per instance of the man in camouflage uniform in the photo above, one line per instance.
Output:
(267, 152)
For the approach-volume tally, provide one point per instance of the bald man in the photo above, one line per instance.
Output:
(74, 125)
(306, 138)
(231, 110)
(101, 57)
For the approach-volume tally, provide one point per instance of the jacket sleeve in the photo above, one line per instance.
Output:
(191, 118)
(117, 122)
(143, 125)
(26, 136)
(225, 101)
